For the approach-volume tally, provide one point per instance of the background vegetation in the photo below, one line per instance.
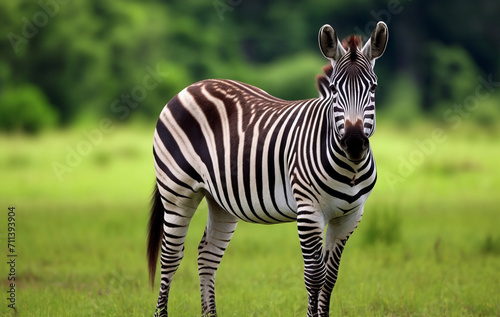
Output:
(71, 60)
(82, 83)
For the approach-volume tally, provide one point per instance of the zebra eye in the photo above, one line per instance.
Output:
(373, 88)
(333, 88)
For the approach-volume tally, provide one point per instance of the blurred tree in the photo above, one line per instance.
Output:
(93, 58)
(25, 108)
(403, 102)
(451, 76)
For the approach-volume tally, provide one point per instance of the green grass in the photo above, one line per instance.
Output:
(429, 245)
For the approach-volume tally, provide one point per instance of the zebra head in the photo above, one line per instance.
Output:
(353, 84)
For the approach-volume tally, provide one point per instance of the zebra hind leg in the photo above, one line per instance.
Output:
(218, 232)
(175, 227)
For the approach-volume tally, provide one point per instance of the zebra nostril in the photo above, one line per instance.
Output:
(343, 143)
(364, 142)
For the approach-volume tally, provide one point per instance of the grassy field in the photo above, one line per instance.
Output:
(429, 243)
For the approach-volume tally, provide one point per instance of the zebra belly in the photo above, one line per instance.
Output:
(243, 200)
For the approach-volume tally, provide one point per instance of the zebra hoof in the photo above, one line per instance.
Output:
(161, 312)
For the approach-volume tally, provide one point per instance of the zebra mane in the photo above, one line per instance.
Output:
(351, 44)
(323, 80)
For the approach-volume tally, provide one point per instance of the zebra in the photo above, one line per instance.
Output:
(261, 159)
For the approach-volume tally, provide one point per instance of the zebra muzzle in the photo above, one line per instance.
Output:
(354, 142)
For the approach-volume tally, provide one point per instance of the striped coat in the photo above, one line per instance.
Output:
(260, 159)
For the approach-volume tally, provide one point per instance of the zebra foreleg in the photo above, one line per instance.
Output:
(218, 232)
(310, 227)
(332, 259)
(337, 233)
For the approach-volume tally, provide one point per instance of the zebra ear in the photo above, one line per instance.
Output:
(375, 46)
(329, 44)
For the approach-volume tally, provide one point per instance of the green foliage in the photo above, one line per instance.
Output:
(402, 106)
(491, 245)
(289, 78)
(85, 55)
(452, 75)
(486, 113)
(384, 226)
(25, 108)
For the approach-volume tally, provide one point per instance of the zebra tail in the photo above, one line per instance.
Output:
(155, 226)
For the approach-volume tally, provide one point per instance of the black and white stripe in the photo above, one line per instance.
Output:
(352, 96)
(265, 160)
